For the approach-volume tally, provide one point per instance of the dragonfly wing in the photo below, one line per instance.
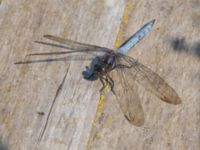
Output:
(77, 45)
(151, 81)
(72, 47)
(134, 39)
(127, 97)
(82, 52)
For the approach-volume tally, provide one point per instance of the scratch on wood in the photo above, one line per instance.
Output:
(51, 108)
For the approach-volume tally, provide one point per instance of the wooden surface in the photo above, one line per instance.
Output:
(75, 115)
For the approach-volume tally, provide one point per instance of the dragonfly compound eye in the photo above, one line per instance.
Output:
(88, 75)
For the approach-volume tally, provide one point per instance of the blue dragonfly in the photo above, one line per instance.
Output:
(114, 67)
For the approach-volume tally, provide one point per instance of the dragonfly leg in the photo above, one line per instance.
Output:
(103, 83)
(108, 80)
(111, 83)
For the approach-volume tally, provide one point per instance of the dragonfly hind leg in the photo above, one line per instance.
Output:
(103, 83)
(111, 83)
(112, 86)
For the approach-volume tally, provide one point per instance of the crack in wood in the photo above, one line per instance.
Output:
(50, 111)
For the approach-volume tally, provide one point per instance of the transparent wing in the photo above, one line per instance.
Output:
(72, 47)
(77, 45)
(127, 97)
(134, 39)
(149, 80)
(62, 52)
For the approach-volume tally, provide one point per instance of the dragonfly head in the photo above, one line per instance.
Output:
(89, 73)
(99, 66)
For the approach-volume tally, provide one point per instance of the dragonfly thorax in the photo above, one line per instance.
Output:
(99, 66)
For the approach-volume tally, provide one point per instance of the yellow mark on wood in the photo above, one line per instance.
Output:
(101, 99)
(97, 115)
(99, 109)
(118, 40)
(128, 7)
(125, 19)
(100, 106)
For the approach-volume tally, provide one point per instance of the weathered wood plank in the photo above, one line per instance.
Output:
(172, 50)
(57, 89)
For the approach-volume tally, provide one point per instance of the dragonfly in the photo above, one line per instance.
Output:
(121, 72)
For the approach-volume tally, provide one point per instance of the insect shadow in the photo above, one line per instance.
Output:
(179, 44)
(196, 48)
(3, 146)
(66, 58)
